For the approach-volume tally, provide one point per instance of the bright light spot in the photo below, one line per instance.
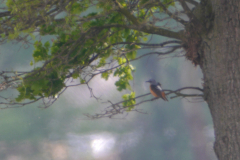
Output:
(102, 145)
(98, 145)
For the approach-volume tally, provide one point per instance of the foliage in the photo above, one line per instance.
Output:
(91, 38)
(129, 100)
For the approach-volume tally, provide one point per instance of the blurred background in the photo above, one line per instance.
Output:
(180, 129)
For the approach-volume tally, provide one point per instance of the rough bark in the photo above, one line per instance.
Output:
(221, 69)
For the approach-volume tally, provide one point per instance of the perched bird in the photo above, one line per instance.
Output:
(156, 90)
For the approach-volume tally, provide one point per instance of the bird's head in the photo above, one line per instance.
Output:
(152, 81)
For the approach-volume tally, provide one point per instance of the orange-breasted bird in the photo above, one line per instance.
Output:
(156, 90)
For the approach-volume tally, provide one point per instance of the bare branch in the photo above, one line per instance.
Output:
(118, 109)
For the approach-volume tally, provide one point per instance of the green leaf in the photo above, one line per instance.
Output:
(3, 35)
(129, 100)
(75, 75)
(105, 75)
(47, 45)
(145, 38)
(82, 81)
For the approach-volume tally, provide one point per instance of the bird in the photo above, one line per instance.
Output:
(156, 90)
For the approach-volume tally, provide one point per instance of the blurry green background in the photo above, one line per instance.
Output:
(180, 129)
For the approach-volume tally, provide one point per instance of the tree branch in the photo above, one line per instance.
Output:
(149, 45)
(148, 29)
(172, 15)
(192, 2)
(117, 108)
(4, 14)
(187, 10)
(145, 28)
(126, 13)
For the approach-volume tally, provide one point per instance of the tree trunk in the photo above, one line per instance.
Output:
(221, 69)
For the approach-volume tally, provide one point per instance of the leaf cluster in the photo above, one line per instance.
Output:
(129, 101)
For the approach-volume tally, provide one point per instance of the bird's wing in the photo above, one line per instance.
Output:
(159, 87)
(156, 91)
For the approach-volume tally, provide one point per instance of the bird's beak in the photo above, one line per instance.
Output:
(148, 81)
